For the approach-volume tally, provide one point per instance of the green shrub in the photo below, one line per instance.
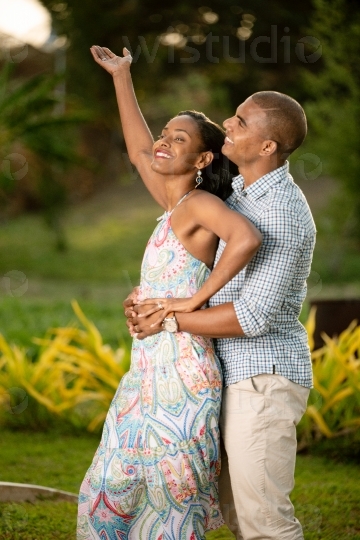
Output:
(73, 379)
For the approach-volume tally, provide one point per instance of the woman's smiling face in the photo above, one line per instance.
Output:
(179, 147)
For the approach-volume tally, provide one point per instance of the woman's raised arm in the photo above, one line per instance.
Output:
(138, 138)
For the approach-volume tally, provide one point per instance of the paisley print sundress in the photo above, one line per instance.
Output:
(154, 474)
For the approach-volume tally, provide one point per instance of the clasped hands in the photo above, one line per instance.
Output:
(145, 317)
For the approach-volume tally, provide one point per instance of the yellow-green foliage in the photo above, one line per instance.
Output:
(74, 377)
(334, 404)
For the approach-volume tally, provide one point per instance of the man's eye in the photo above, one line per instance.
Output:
(161, 136)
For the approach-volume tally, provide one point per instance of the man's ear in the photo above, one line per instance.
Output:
(269, 147)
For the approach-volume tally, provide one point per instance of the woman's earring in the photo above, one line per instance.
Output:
(198, 178)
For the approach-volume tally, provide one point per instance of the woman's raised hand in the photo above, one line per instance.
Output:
(109, 61)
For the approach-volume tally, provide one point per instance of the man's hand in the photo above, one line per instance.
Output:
(109, 61)
(130, 302)
(142, 327)
(139, 328)
(129, 309)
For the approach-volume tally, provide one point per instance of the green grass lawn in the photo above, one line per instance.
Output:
(106, 240)
(326, 495)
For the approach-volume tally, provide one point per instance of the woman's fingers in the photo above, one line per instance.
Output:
(103, 56)
(161, 305)
(98, 55)
(158, 301)
(149, 312)
(95, 54)
(108, 52)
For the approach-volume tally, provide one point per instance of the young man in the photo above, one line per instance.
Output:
(266, 363)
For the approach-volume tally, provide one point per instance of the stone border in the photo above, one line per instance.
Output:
(11, 492)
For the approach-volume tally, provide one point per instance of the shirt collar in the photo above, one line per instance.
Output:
(263, 184)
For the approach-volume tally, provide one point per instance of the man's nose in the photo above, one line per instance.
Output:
(227, 123)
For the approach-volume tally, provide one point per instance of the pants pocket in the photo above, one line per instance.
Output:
(260, 383)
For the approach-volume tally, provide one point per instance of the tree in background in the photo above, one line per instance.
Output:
(334, 107)
(238, 49)
(37, 148)
(186, 55)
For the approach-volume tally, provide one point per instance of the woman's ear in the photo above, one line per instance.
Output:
(205, 160)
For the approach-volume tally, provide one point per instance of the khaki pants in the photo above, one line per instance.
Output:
(258, 427)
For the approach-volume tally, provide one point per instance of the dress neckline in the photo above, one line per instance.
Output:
(168, 213)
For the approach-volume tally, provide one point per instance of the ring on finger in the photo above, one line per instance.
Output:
(160, 306)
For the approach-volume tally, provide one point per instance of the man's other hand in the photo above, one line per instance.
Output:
(139, 328)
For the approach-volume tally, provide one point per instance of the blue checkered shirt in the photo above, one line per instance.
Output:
(268, 293)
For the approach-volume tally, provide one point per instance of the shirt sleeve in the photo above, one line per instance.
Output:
(270, 275)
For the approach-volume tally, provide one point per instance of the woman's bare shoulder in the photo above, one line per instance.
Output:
(204, 197)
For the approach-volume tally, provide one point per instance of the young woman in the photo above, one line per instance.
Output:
(154, 475)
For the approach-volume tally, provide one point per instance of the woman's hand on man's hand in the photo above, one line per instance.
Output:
(164, 306)
(109, 61)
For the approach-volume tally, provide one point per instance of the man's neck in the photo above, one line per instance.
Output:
(256, 171)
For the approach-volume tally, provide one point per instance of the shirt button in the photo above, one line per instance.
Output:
(245, 194)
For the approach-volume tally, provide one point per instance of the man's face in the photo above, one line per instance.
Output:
(245, 134)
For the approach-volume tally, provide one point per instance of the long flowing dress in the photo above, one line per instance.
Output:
(154, 474)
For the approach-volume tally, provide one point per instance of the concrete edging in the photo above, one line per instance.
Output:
(12, 492)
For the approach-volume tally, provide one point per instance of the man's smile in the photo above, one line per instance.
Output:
(228, 140)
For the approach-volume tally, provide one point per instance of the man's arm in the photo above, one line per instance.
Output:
(215, 322)
(279, 269)
(270, 276)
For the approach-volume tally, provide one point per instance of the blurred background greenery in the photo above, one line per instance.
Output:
(75, 217)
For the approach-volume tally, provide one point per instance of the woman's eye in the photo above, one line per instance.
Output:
(178, 139)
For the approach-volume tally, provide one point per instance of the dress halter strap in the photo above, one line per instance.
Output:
(168, 214)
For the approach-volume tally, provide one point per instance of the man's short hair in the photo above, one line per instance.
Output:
(286, 120)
